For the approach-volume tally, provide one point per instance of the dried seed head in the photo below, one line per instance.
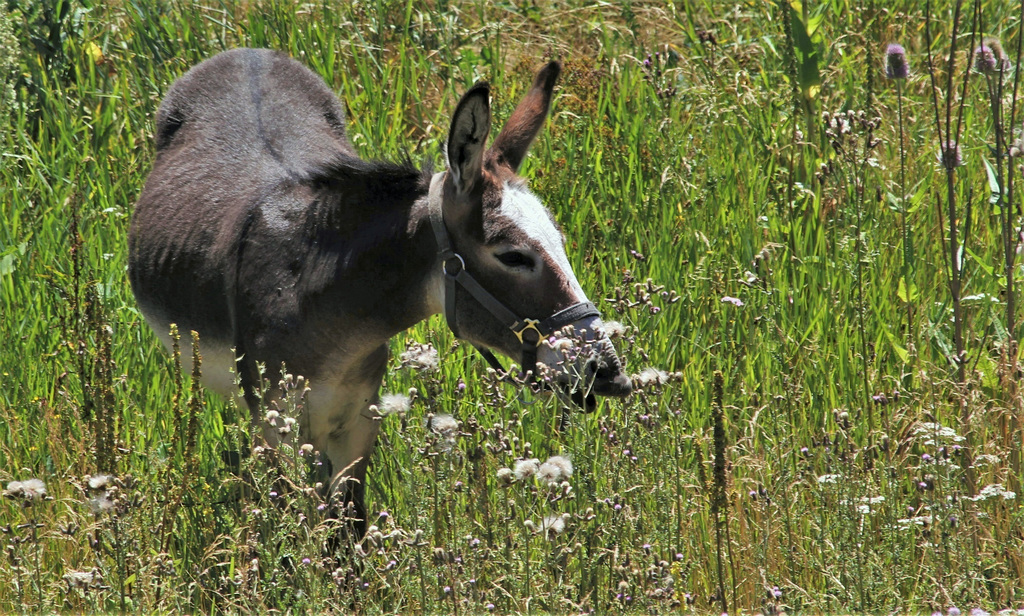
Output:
(950, 155)
(420, 357)
(505, 476)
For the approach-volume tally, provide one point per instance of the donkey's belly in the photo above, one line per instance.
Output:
(217, 358)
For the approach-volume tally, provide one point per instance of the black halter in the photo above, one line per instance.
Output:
(530, 332)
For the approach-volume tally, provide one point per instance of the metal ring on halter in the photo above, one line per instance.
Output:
(529, 324)
(462, 265)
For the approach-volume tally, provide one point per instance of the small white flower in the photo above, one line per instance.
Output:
(986, 458)
(831, 478)
(921, 520)
(394, 403)
(80, 579)
(935, 433)
(994, 490)
(735, 301)
(272, 416)
(524, 469)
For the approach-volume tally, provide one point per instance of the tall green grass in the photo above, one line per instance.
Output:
(742, 238)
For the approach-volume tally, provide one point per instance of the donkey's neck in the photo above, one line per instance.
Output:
(372, 225)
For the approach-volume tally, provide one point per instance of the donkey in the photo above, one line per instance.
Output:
(262, 229)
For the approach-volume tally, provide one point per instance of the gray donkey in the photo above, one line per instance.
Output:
(262, 229)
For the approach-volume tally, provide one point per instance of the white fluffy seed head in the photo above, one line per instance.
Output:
(555, 470)
(445, 425)
(524, 469)
(393, 403)
(552, 525)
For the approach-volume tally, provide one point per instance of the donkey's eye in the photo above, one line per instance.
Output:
(514, 258)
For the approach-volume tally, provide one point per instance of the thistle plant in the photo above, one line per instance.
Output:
(950, 158)
(28, 494)
(897, 69)
(992, 63)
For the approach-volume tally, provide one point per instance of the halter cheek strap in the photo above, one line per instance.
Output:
(530, 332)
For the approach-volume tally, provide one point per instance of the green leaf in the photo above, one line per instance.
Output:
(993, 183)
(807, 55)
(899, 350)
(905, 294)
(8, 264)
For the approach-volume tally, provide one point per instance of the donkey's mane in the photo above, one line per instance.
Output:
(388, 180)
(354, 193)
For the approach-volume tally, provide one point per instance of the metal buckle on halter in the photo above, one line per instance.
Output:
(444, 265)
(529, 324)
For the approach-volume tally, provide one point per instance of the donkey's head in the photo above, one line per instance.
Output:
(509, 285)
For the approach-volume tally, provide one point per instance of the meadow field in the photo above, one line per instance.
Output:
(810, 238)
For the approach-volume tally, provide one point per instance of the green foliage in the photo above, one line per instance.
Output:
(798, 421)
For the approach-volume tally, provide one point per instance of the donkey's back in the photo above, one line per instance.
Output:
(253, 111)
(240, 136)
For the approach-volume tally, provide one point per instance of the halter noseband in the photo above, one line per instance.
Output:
(530, 332)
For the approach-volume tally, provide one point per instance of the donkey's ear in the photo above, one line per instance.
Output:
(471, 124)
(522, 127)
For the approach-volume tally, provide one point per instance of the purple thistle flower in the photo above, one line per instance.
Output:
(953, 611)
(896, 66)
(985, 60)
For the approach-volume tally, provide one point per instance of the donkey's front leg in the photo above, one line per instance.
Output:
(344, 429)
(349, 447)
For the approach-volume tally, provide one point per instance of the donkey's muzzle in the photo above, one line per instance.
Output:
(604, 380)
(617, 386)
(609, 379)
